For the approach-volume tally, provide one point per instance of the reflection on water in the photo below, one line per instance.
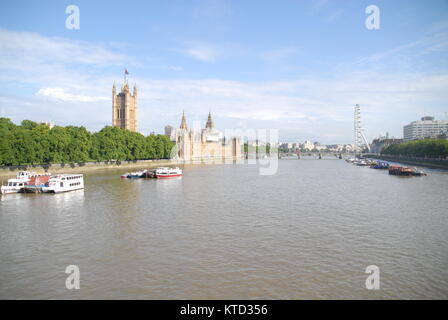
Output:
(66, 200)
(223, 231)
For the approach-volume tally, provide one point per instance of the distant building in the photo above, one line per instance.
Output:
(308, 145)
(381, 143)
(124, 107)
(351, 148)
(169, 130)
(207, 144)
(319, 147)
(48, 123)
(336, 147)
(427, 127)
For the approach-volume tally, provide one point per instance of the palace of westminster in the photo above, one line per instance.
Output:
(191, 145)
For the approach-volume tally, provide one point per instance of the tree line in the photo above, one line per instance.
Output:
(430, 148)
(249, 148)
(31, 143)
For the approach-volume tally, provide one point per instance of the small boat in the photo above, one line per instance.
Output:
(380, 165)
(166, 172)
(149, 174)
(361, 163)
(132, 175)
(400, 171)
(22, 180)
(64, 183)
(416, 172)
(137, 174)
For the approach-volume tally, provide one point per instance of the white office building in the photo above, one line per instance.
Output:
(427, 127)
(308, 145)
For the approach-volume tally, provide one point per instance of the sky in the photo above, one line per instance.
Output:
(295, 66)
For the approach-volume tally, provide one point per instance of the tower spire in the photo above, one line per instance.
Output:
(183, 124)
(209, 124)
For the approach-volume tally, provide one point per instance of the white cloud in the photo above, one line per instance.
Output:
(201, 51)
(63, 95)
(21, 50)
(434, 41)
(302, 107)
(210, 52)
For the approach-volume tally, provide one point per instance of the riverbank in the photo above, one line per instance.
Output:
(423, 162)
(89, 166)
(85, 167)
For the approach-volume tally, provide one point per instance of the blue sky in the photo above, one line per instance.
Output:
(296, 66)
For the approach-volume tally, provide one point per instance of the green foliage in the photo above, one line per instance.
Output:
(33, 143)
(265, 149)
(419, 148)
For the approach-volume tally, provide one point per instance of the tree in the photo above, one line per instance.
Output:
(420, 148)
(32, 143)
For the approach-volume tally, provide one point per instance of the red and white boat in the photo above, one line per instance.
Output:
(166, 172)
(23, 180)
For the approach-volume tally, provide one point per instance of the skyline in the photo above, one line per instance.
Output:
(302, 73)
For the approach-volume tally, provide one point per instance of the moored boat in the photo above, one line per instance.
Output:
(64, 183)
(361, 163)
(166, 172)
(149, 174)
(13, 186)
(24, 179)
(400, 171)
(416, 172)
(136, 174)
(380, 165)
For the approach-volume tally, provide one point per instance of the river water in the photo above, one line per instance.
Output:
(225, 232)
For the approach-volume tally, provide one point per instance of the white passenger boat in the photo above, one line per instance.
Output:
(64, 183)
(166, 172)
(23, 179)
(13, 186)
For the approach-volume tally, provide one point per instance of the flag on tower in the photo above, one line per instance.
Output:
(126, 71)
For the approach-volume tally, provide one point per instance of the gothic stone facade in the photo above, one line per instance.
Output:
(124, 107)
(208, 144)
